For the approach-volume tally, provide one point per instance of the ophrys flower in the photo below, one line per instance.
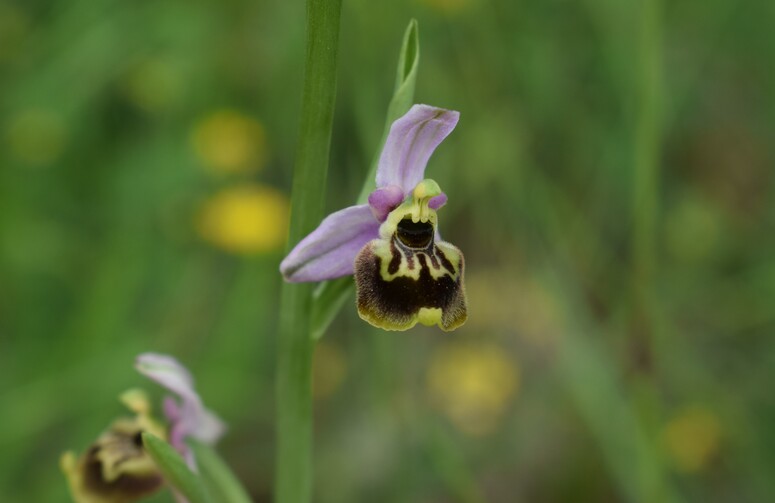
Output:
(116, 468)
(404, 272)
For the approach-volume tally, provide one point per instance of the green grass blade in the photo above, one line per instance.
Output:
(175, 470)
(327, 301)
(218, 477)
(402, 100)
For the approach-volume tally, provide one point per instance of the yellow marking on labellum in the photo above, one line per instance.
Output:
(402, 301)
(440, 259)
(429, 316)
(385, 251)
(405, 277)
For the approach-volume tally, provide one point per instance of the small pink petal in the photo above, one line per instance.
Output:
(438, 201)
(171, 409)
(189, 418)
(384, 200)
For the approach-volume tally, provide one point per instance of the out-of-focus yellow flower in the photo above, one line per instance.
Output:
(36, 136)
(116, 468)
(472, 384)
(153, 85)
(245, 219)
(328, 371)
(228, 141)
(692, 438)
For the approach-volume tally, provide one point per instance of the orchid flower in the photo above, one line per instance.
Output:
(116, 468)
(189, 418)
(404, 273)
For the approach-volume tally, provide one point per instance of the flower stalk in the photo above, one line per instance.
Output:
(293, 477)
(653, 483)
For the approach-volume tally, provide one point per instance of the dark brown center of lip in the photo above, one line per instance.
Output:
(137, 439)
(414, 235)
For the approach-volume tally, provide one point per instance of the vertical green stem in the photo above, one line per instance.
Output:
(293, 478)
(647, 153)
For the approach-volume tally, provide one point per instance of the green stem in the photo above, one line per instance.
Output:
(647, 153)
(293, 477)
(646, 158)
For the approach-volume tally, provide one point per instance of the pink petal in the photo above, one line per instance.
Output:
(189, 418)
(384, 200)
(437, 202)
(410, 143)
(168, 372)
(329, 251)
(171, 409)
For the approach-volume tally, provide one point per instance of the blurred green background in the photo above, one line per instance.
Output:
(610, 181)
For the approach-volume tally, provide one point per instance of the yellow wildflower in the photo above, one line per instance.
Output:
(228, 141)
(245, 219)
(472, 384)
(691, 438)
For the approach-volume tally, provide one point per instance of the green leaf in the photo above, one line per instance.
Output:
(327, 300)
(402, 100)
(221, 482)
(175, 470)
(330, 296)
